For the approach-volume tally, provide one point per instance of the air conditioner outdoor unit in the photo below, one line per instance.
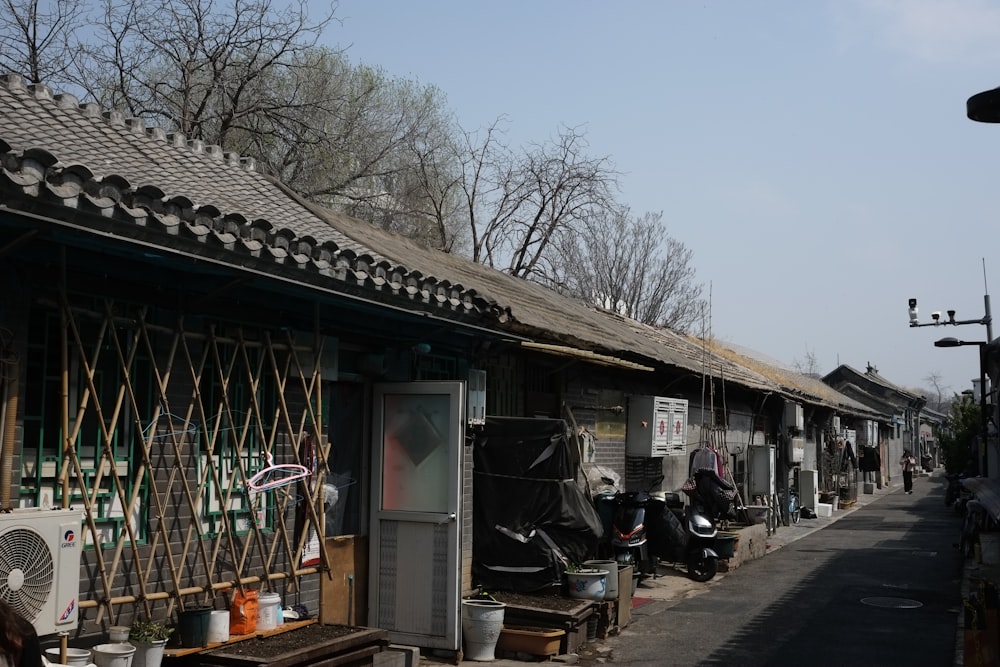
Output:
(40, 566)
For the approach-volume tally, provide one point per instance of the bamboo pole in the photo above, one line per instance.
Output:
(218, 587)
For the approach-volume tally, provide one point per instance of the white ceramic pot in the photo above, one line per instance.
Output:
(611, 583)
(482, 621)
(587, 584)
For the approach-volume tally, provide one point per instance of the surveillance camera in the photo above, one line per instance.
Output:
(913, 313)
(936, 315)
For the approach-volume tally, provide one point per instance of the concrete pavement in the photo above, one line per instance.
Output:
(673, 586)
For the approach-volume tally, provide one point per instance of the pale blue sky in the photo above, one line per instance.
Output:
(814, 156)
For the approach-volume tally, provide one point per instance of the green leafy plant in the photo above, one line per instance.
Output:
(147, 631)
(964, 425)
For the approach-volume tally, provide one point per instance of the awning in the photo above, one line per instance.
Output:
(585, 355)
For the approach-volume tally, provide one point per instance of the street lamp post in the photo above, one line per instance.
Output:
(984, 417)
(987, 321)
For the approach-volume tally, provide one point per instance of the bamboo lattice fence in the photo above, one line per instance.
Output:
(162, 421)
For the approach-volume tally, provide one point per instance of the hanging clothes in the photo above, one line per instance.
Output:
(869, 459)
(848, 460)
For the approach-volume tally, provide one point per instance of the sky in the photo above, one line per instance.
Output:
(815, 157)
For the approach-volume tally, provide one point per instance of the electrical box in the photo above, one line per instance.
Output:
(657, 426)
(796, 449)
(762, 470)
(475, 402)
(794, 416)
(835, 423)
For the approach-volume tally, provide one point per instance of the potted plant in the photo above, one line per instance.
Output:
(150, 638)
(586, 583)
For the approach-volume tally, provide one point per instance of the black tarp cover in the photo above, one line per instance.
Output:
(530, 517)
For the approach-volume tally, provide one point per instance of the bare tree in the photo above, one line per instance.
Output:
(809, 365)
(37, 38)
(516, 204)
(938, 390)
(193, 66)
(631, 265)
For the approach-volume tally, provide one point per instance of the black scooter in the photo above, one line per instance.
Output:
(647, 528)
(685, 535)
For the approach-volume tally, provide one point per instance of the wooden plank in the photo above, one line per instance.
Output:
(180, 651)
(344, 594)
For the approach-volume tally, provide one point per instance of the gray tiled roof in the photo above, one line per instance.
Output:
(194, 198)
(190, 197)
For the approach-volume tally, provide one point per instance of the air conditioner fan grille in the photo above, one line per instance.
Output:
(26, 571)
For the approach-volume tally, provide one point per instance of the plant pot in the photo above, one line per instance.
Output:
(148, 654)
(535, 641)
(611, 584)
(725, 544)
(482, 621)
(118, 634)
(114, 655)
(75, 657)
(193, 627)
(587, 584)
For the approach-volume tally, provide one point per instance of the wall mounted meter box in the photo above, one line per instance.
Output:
(657, 426)
(793, 416)
(796, 449)
(762, 470)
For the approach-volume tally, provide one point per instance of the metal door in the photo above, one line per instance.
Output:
(415, 582)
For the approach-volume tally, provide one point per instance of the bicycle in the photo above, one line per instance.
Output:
(794, 509)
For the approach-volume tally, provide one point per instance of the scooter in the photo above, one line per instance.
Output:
(629, 541)
(647, 528)
(685, 535)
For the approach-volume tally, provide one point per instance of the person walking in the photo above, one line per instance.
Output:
(908, 463)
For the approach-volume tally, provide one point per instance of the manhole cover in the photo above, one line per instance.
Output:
(892, 603)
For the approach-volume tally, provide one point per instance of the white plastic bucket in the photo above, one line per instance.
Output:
(218, 626)
(267, 611)
(149, 654)
(113, 655)
(75, 657)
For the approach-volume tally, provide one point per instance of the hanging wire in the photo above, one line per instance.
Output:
(190, 430)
